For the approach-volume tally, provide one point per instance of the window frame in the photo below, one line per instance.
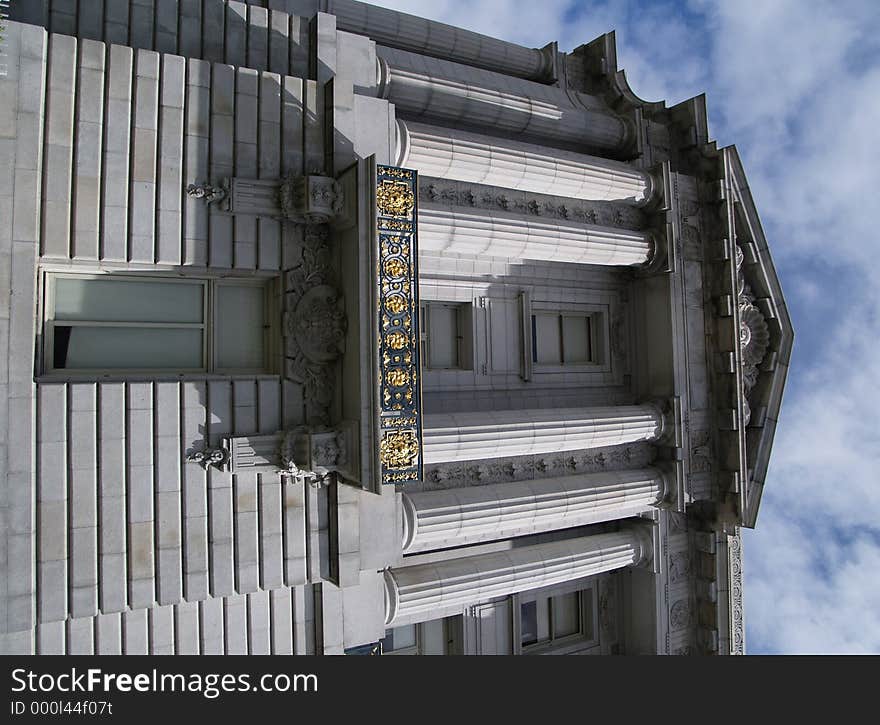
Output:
(590, 318)
(414, 649)
(463, 327)
(207, 326)
(587, 636)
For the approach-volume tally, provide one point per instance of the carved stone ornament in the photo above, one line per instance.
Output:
(209, 457)
(522, 468)
(313, 324)
(318, 324)
(679, 566)
(311, 199)
(734, 552)
(209, 193)
(680, 614)
(316, 454)
(701, 451)
(459, 193)
(754, 335)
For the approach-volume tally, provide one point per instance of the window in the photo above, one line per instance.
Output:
(548, 622)
(435, 637)
(131, 323)
(401, 640)
(562, 339)
(447, 336)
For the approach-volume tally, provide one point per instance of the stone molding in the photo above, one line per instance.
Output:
(522, 468)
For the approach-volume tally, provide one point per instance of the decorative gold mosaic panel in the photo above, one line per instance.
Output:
(397, 274)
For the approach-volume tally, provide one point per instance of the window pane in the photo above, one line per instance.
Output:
(129, 300)
(566, 615)
(529, 622)
(576, 339)
(399, 638)
(443, 336)
(238, 327)
(116, 348)
(547, 348)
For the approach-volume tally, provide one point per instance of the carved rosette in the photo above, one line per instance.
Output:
(397, 334)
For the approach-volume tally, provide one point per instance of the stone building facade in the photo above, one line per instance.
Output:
(334, 329)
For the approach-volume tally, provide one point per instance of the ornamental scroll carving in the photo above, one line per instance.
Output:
(454, 193)
(734, 553)
(523, 468)
(754, 335)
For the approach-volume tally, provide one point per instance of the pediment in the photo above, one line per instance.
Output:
(765, 335)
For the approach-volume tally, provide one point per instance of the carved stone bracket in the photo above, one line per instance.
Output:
(305, 454)
(310, 199)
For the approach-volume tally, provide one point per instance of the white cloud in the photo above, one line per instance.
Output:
(797, 87)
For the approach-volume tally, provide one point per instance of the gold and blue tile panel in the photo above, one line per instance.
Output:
(400, 387)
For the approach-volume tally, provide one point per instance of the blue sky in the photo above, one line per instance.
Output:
(796, 86)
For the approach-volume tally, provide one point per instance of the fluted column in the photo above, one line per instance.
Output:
(429, 37)
(455, 517)
(453, 154)
(498, 234)
(452, 92)
(427, 588)
(499, 433)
